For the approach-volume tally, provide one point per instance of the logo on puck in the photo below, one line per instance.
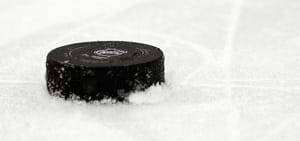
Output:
(109, 52)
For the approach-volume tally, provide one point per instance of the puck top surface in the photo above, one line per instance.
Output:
(105, 54)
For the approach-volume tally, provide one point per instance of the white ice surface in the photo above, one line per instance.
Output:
(232, 66)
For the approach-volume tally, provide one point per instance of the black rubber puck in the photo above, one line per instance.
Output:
(103, 69)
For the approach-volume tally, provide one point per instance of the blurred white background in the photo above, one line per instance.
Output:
(232, 66)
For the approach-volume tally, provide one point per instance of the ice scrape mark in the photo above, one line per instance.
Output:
(228, 52)
(228, 49)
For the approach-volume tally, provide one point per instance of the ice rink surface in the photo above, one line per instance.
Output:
(232, 67)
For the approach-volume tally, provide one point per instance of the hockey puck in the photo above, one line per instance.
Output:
(103, 69)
